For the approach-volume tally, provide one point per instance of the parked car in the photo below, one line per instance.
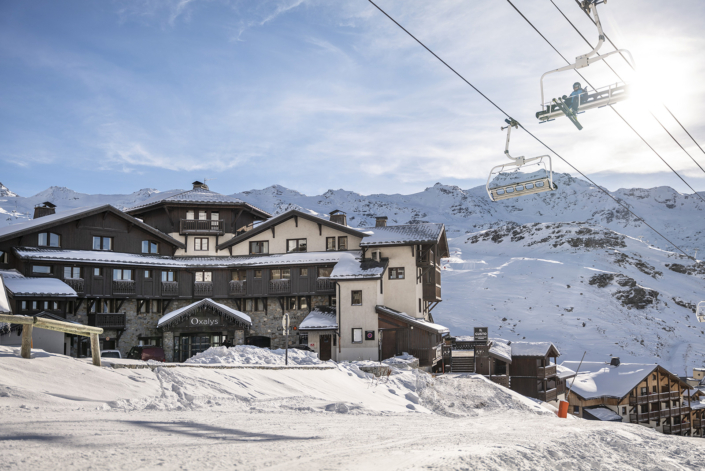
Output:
(146, 352)
(110, 354)
(302, 347)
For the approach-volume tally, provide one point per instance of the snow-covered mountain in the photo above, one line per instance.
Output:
(569, 266)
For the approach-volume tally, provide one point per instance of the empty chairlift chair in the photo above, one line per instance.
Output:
(526, 186)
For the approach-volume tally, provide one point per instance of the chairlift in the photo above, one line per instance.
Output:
(527, 186)
(700, 313)
(570, 107)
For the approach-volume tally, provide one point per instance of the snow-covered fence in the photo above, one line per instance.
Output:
(29, 322)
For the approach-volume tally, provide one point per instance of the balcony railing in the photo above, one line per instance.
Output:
(431, 292)
(170, 288)
(546, 371)
(114, 321)
(547, 396)
(76, 284)
(654, 397)
(123, 287)
(238, 287)
(203, 288)
(279, 286)
(676, 429)
(202, 226)
(697, 423)
(325, 285)
(502, 380)
(655, 415)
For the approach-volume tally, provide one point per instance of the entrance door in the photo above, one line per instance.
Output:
(325, 347)
(200, 343)
(389, 343)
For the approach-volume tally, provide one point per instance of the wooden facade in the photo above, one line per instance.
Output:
(398, 337)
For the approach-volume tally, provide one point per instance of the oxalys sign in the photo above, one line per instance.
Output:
(204, 321)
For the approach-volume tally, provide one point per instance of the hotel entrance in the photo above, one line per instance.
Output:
(188, 345)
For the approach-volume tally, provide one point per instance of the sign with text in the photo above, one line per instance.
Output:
(204, 321)
(480, 334)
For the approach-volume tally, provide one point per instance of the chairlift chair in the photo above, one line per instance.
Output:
(527, 186)
(700, 313)
(605, 96)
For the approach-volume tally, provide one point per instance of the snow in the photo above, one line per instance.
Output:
(320, 318)
(604, 413)
(197, 195)
(44, 220)
(564, 372)
(351, 267)
(39, 287)
(4, 303)
(531, 349)
(502, 349)
(251, 355)
(204, 304)
(597, 380)
(401, 234)
(419, 322)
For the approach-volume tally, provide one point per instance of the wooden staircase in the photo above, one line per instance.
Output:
(464, 364)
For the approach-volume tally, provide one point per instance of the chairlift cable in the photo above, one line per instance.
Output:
(532, 135)
(630, 65)
(611, 107)
(620, 78)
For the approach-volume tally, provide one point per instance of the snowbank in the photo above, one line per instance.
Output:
(251, 355)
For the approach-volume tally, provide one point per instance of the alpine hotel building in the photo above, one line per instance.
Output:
(200, 269)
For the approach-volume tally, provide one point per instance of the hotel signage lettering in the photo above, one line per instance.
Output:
(204, 321)
(480, 334)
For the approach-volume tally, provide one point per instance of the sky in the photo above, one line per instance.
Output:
(115, 96)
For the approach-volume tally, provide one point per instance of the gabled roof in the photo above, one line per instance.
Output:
(500, 350)
(351, 268)
(405, 234)
(196, 196)
(601, 380)
(534, 349)
(404, 317)
(285, 217)
(176, 316)
(45, 287)
(47, 222)
(321, 318)
(602, 413)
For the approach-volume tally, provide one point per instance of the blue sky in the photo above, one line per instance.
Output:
(114, 96)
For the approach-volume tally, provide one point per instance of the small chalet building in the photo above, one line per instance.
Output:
(645, 394)
(229, 271)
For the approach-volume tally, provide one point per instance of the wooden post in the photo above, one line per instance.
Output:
(95, 349)
(26, 349)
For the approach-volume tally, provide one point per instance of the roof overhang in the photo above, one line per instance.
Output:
(206, 304)
(407, 319)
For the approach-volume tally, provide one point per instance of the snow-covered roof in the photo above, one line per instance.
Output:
(697, 405)
(12, 273)
(603, 413)
(320, 318)
(501, 350)
(4, 303)
(564, 372)
(39, 287)
(297, 258)
(197, 195)
(402, 234)
(45, 220)
(351, 268)
(204, 304)
(599, 379)
(532, 349)
(422, 323)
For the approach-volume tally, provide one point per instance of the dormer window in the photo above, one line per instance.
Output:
(259, 247)
(102, 243)
(149, 246)
(296, 245)
(190, 215)
(343, 243)
(49, 239)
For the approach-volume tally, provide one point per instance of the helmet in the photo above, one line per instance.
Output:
(577, 84)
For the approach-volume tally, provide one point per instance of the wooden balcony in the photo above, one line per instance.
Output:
(238, 288)
(170, 288)
(125, 287)
(697, 423)
(659, 414)
(112, 321)
(654, 397)
(502, 380)
(76, 284)
(279, 286)
(677, 429)
(202, 226)
(428, 356)
(325, 285)
(203, 288)
(431, 292)
(548, 396)
(546, 371)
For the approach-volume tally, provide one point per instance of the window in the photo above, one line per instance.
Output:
(296, 245)
(396, 273)
(303, 338)
(303, 272)
(239, 275)
(200, 244)
(332, 300)
(281, 273)
(291, 302)
(376, 255)
(147, 274)
(202, 215)
(122, 274)
(343, 243)
(258, 273)
(330, 243)
(624, 410)
(420, 305)
(97, 271)
(653, 389)
(576, 409)
(169, 275)
(254, 304)
(144, 307)
(190, 215)
(303, 302)
(324, 272)
(356, 335)
(41, 269)
(49, 239)
(215, 221)
(102, 243)
(3, 257)
(356, 297)
(72, 272)
(149, 246)
(204, 276)
(260, 247)
(644, 391)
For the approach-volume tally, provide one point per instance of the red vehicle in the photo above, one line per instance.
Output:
(146, 352)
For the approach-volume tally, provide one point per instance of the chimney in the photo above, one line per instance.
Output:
(199, 185)
(338, 217)
(45, 209)
(614, 361)
(381, 221)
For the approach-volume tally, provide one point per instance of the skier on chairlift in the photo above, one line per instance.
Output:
(574, 101)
